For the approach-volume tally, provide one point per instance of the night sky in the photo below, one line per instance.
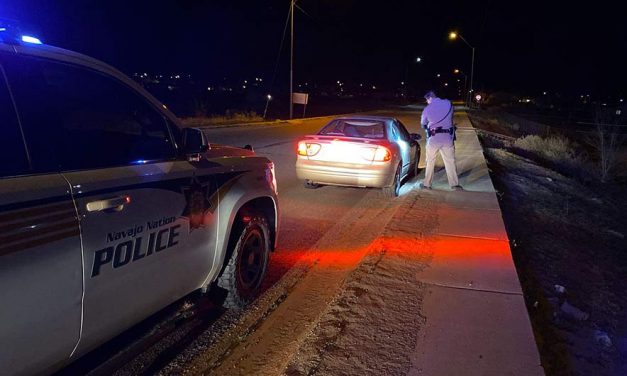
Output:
(522, 46)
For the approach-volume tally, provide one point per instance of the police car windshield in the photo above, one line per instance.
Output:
(355, 128)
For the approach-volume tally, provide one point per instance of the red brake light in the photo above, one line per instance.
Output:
(308, 149)
(376, 154)
(382, 154)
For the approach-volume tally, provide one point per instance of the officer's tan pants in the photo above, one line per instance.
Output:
(448, 156)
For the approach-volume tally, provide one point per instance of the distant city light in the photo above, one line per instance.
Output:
(269, 97)
(544, 93)
(456, 71)
(621, 100)
(29, 39)
(446, 84)
(438, 75)
(418, 60)
(209, 88)
(374, 87)
(402, 82)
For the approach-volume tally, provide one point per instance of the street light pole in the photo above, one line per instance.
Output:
(292, 60)
(472, 73)
(453, 35)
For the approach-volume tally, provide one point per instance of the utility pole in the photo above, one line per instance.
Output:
(292, 61)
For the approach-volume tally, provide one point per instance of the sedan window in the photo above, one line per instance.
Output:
(354, 128)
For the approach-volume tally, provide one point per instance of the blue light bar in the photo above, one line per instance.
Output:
(29, 39)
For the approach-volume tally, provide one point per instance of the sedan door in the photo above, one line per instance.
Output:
(404, 145)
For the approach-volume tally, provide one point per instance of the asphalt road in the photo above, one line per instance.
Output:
(306, 215)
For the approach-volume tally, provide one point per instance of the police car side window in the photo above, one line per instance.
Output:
(98, 122)
(13, 160)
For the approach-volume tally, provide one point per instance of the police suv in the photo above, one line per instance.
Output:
(109, 210)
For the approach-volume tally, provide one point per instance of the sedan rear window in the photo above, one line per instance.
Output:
(355, 128)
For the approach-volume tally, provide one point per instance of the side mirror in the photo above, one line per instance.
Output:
(194, 141)
(415, 136)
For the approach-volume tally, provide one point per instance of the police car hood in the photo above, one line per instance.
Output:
(217, 150)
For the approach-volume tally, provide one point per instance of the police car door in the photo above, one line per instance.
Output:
(41, 282)
(143, 247)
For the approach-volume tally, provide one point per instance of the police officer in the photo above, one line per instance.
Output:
(437, 119)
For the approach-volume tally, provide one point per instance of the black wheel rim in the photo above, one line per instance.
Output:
(252, 260)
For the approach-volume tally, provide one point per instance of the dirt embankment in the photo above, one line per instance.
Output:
(570, 249)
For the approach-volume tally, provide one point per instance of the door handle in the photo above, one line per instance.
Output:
(112, 204)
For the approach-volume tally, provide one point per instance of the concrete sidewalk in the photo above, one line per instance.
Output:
(476, 320)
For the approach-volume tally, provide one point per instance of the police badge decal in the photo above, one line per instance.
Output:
(198, 203)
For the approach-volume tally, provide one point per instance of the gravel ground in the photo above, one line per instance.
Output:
(569, 246)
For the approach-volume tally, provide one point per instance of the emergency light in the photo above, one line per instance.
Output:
(10, 33)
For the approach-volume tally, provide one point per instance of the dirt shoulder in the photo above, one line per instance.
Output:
(569, 247)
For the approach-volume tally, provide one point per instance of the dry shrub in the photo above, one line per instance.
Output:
(492, 121)
(558, 152)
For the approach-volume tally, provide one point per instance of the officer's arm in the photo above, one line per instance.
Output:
(423, 120)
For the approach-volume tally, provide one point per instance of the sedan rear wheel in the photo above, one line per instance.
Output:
(395, 189)
(311, 185)
(416, 166)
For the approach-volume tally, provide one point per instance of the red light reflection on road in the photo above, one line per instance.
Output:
(446, 249)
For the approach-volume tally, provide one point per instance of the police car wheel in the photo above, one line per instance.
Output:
(395, 189)
(247, 266)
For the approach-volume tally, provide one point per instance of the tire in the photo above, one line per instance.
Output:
(395, 189)
(311, 185)
(247, 266)
(415, 170)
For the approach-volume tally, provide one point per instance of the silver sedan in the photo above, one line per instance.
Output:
(359, 151)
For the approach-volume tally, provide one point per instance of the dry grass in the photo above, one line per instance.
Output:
(228, 118)
(558, 152)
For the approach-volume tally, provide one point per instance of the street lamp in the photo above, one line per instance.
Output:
(454, 35)
(268, 99)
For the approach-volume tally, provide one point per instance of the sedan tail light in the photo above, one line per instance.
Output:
(376, 154)
(308, 149)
